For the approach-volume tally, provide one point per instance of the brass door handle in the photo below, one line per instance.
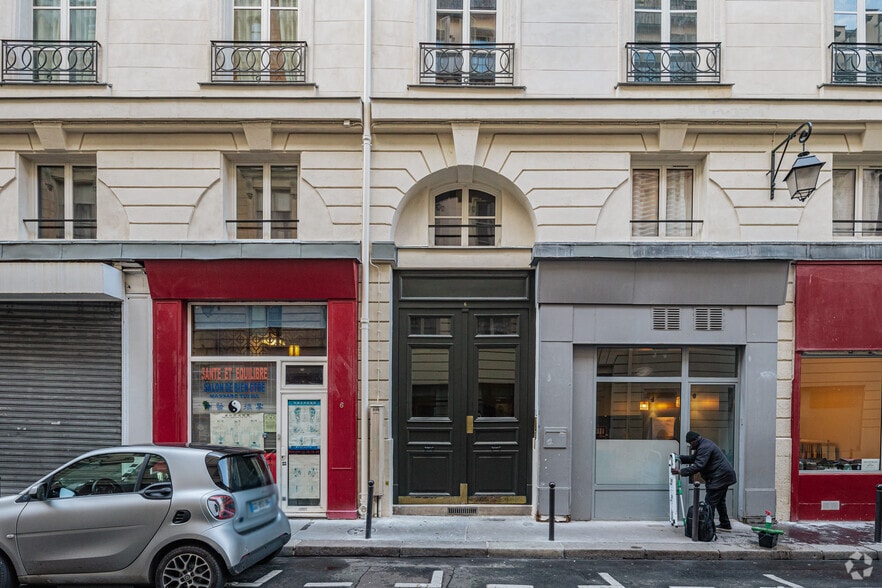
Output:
(470, 425)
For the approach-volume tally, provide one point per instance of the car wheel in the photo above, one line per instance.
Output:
(189, 567)
(7, 574)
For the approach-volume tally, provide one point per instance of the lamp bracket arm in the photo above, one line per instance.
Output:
(806, 132)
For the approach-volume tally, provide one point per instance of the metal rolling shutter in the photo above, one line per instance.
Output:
(60, 385)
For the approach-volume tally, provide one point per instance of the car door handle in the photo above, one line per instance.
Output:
(157, 491)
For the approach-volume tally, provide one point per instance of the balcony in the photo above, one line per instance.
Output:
(478, 64)
(258, 62)
(673, 63)
(50, 62)
(856, 64)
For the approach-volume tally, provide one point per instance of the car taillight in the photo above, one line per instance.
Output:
(221, 506)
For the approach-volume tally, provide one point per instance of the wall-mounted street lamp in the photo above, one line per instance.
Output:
(802, 179)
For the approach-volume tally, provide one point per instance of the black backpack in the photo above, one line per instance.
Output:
(707, 530)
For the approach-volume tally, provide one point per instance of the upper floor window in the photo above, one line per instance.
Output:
(666, 47)
(665, 21)
(265, 45)
(265, 20)
(856, 54)
(466, 51)
(464, 218)
(66, 202)
(266, 202)
(64, 20)
(857, 195)
(662, 202)
(62, 46)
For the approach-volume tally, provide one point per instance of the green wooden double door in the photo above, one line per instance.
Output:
(464, 388)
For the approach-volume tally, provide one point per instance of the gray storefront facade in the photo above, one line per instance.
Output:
(632, 354)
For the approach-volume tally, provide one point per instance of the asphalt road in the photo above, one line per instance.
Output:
(332, 572)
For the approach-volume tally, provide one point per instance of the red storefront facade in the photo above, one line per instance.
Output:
(176, 284)
(836, 390)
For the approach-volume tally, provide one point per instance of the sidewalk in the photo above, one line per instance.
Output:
(523, 537)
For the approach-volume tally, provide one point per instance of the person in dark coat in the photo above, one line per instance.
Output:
(708, 460)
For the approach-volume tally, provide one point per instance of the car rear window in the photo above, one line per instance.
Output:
(239, 472)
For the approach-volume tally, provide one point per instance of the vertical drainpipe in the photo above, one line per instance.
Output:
(365, 253)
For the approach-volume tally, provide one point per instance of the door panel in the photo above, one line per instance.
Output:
(464, 403)
(101, 533)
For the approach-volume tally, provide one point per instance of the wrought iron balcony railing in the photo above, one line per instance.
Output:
(55, 62)
(672, 227)
(54, 228)
(857, 228)
(279, 228)
(856, 65)
(269, 62)
(477, 64)
(674, 63)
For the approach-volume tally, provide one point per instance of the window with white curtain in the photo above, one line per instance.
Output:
(265, 20)
(857, 193)
(662, 202)
(63, 20)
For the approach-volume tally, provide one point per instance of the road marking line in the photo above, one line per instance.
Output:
(509, 586)
(257, 583)
(327, 585)
(785, 582)
(435, 582)
(610, 581)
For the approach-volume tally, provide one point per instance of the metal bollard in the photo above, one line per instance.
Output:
(551, 511)
(877, 527)
(697, 489)
(370, 510)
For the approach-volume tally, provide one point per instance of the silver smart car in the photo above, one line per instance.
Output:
(167, 515)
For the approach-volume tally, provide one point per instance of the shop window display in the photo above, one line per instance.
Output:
(840, 411)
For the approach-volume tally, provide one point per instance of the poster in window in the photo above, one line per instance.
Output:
(237, 430)
(304, 452)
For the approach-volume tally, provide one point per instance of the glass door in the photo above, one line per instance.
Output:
(302, 456)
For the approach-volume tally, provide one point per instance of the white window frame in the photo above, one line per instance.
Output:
(860, 15)
(65, 10)
(465, 217)
(31, 210)
(266, 10)
(857, 203)
(694, 225)
(666, 13)
(266, 202)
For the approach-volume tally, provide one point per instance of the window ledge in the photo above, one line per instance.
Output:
(259, 84)
(59, 84)
(450, 87)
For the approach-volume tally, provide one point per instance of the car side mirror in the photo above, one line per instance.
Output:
(38, 491)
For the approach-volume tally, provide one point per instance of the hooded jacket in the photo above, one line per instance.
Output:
(709, 461)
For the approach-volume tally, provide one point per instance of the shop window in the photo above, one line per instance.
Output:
(662, 203)
(257, 330)
(464, 218)
(66, 202)
(857, 195)
(840, 411)
(648, 397)
(234, 403)
(266, 202)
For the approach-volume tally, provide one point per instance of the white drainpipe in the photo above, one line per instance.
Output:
(365, 254)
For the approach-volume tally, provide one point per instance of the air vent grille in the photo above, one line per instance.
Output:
(708, 319)
(462, 510)
(665, 318)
